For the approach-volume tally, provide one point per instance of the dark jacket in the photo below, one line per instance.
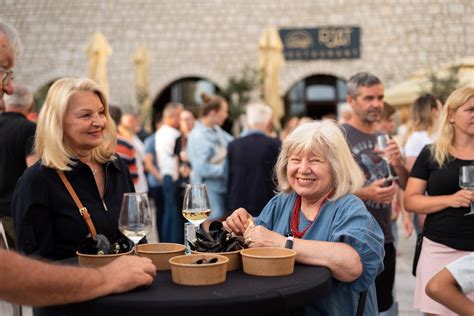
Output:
(251, 160)
(47, 221)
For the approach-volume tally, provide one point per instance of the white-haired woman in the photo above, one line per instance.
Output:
(76, 135)
(331, 227)
(448, 234)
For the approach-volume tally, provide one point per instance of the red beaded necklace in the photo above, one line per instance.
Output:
(295, 217)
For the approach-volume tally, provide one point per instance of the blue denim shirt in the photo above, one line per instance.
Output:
(344, 220)
(203, 144)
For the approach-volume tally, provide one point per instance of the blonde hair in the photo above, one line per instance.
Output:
(323, 138)
(421, 116)
(445, 132)
(49, 136)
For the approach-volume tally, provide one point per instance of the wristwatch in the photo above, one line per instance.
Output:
(289, 242)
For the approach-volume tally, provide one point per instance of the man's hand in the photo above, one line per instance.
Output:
(378, 192)
(128, 272)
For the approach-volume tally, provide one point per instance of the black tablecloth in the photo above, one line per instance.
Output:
(241, 294)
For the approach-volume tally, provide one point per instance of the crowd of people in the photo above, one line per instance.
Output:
(330, 190)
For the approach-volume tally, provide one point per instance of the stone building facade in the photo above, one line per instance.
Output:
(215, 39)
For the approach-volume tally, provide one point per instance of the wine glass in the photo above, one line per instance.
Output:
(466, 181)
(196, 206)
(382, 143)
(135, 216)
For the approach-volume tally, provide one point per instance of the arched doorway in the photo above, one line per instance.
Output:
(316, 96)
(186, 91)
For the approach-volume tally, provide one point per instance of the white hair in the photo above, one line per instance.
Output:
(258, 113)
(21, 98)
(12, 37)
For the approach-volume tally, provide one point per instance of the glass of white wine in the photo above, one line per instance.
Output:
(135, 216)
(196, 206)
(382, 143)
(466, 181)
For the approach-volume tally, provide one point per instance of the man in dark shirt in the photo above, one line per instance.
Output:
(250, 162)
(16, 154)
(365, 96)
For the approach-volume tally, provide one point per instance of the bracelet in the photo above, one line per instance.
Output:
(289, 242)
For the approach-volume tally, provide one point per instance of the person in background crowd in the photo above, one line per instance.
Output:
(207, 151)
(172, 224)
(124, 148)
(250, 162)
(317, 215)
(448, 233)
(186, 124)
(420, 132)
(424, 119)
(154, 178)
(32, 282)
(387, 125)
(129, 127)
(345, 114)
(16, 150)
(365, 95)
(450, 286)
(290, 124)
(75, 136)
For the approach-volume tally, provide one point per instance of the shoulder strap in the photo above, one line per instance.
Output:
(83, 210)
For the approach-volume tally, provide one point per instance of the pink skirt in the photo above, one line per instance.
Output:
(433, 258)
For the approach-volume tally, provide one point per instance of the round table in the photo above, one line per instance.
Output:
(241, 294)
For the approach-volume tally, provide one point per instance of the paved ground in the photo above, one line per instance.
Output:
(404, 281)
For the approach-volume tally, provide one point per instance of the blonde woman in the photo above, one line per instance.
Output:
(424, 116)
(317, 215)
(448, 234)
(75, 134)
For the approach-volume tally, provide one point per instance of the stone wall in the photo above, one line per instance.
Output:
(215, 39)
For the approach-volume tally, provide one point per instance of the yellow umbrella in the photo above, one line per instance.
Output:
(271, 61)
(406, 92)
(141, 59)
(98, 50)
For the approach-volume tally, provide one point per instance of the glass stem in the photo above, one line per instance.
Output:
(389, 170)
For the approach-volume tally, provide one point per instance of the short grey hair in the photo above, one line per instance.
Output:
(326, 140)
(21, 98)
(12, 36)
(361, 79)
(258, 113)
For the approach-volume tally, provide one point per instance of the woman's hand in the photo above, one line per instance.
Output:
(237, 222)
(462, 198)
(260, 236)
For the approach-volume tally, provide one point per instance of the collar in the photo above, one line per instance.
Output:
(251, 131)
(78, 166)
